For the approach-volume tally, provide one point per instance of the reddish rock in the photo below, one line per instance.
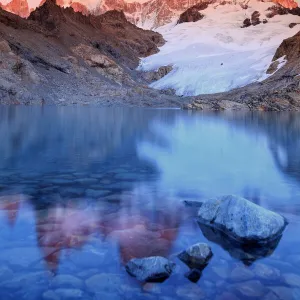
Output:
(79, 7)
(18, 7)
(158, 12)
(287, 3)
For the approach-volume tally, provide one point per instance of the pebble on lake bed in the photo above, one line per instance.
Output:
(151, 269)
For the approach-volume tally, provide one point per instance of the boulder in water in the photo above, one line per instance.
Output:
(197, 256)
(150, 269)
(242, 220)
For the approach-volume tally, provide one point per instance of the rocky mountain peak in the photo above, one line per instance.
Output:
(113, 16)
(79, 7)
(49, 15)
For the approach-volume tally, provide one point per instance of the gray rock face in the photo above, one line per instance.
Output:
(151, 269)
(239, 250)
(242, 220)
(197, 256)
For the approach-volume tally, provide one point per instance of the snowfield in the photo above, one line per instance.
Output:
(215, 54)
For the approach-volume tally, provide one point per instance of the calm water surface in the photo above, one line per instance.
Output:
(84, 190)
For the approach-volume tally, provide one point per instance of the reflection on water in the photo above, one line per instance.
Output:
(84, 190)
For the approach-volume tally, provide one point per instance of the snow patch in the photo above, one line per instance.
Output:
(281, 62)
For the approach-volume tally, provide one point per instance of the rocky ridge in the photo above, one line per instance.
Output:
(63, 57)
(148, 14)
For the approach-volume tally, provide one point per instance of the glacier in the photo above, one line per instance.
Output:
(215, 54)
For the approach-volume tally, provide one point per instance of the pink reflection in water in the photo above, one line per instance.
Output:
(138, 231)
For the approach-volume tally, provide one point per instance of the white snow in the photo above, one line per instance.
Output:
(281, 62)
(215, 54)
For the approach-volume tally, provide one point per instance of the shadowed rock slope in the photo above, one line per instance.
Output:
(58, 56)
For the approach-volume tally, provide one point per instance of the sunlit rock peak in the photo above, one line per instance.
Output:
(144, 13)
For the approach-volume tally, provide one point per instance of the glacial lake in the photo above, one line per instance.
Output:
(85, 189)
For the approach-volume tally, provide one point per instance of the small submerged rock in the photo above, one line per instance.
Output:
(251, 289)
(197, 256)
(242, 220)
(265, 272)
(151, 269)
(241, 273)
(66, 281)
(191, 291)
(292, 279)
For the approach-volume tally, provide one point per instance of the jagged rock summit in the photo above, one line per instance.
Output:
(146, 14)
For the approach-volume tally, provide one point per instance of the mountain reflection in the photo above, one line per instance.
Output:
(283, 133)
(10, 204)
(139, 231)
(38, 139)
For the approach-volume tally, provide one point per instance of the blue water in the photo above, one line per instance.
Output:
(83, 190)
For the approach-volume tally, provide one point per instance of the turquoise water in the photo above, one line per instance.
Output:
(84, 190)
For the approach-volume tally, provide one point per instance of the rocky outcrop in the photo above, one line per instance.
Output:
(150, 269)
(292, 25)
(242, 220)
(63, 57)
(290, 48)
(103, 64)
(49, 15)
(190, 15)
(193, 14)
(246, 23)
(281, 10)
(254, 20)
(196, 256)
(4, 46)
(156, 75)
(79, 7)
